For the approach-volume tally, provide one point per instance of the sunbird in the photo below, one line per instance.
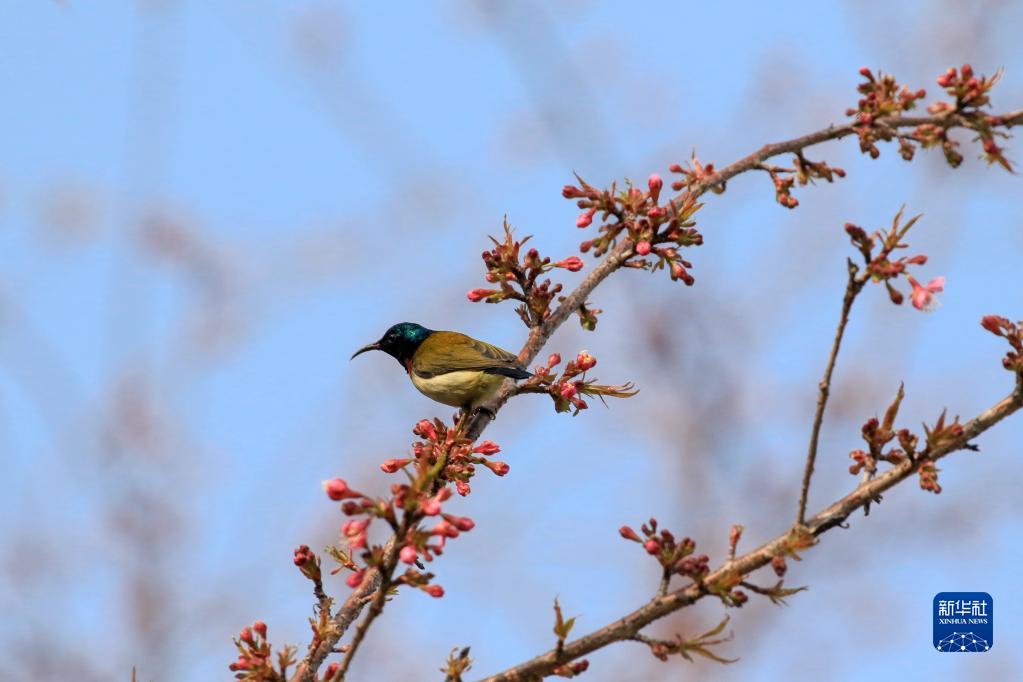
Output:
(449, 367)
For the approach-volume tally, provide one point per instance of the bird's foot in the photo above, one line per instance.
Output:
(482, 409)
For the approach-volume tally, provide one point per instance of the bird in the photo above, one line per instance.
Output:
(449, 367)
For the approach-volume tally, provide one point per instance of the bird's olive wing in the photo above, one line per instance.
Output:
(444, 352)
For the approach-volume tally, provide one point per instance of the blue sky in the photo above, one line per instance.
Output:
(205, 207)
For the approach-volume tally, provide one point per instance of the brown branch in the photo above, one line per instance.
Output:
(757, 158)
(834, 515)
(852, 289)
(383, 579)
(539, 335)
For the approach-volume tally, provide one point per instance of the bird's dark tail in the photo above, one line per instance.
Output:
(514, 372)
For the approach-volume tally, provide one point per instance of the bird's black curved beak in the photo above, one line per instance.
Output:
(372, 346)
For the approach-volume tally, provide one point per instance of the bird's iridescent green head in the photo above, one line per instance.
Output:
(400, 341)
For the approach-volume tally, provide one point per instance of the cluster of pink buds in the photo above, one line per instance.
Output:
(971, 94)
(568, 388)
(879, 434)
(440, 456)
(254, 656)
(802, 171)
(675, 556)
(883, 267)
(656, 229)
(442, 452)
(882, 97)
(1011, 332)
(969, 91)
(516, 276)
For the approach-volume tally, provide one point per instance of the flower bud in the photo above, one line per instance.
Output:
(655, 184)
(391, 465)
(629, 534)
(260, 628)
(652, 546)
(408, 554)
(994, 324)
(487, 447)
(499, 468)
(355, 579)
(337, 489)
(434, 590)
(572, 264)
(643, 248)
(424, 429)
(585, 361)
(463, 523)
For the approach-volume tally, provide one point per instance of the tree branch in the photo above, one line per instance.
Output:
(834, 515)
(755, 160)
(852, 288)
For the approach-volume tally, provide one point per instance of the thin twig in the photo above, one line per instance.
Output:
(834, 515)
(852, 288)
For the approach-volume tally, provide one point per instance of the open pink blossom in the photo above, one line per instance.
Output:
(923, 296)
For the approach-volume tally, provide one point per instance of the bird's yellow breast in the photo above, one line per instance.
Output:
(466, 388)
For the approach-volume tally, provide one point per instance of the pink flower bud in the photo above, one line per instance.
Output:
(260, 628)
(585, 361)
(392, 465)
(246, 635)
(331, 670)
(629, 534)
(567, 391)
(355, 579)
(431, 506)
(553, 360)
(424, 428)
(585, 219)
(479, 294)
(487, 447)
(572, 264)
(337, 489)
(652, 546)
(354, 527)
(462, 523)
(643, 248)
(434, 590)
(463, 488)
(408, 554)
(994, 324)
(655, 184)
(865, 72)
(445, 529)
(499, 468)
